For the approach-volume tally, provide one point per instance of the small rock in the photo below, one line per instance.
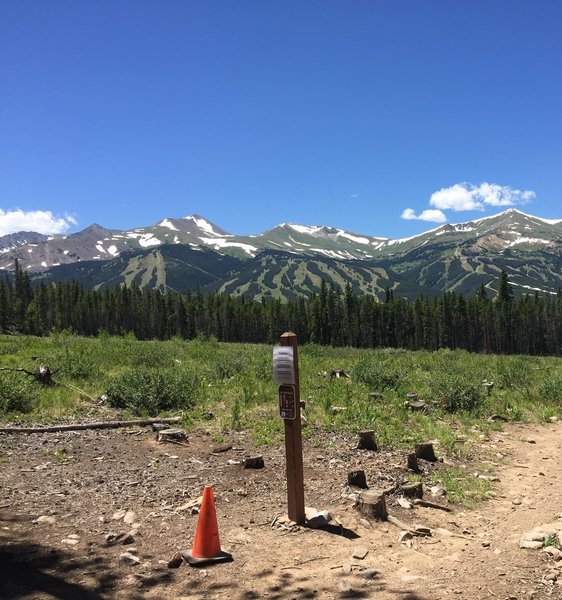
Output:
(536, 535)
(346, 569)
(530, 545)
(438, 491)
(551, 576)
(516, 501)
(70, 541)
(118, 515)
(360, 552)
(112, 539)
(45, 520)
(130, 517)
(317, 519)
(553, 551)
(370, 574)
(344, 586)
(129, 558)
(175, 561)
(531, 441)
(404, 503)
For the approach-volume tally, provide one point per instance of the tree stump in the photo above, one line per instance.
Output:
(367, 441)
(44, 375)
(425, 451)
(372, 503)
(419, 406)
(254, 462)
(357, 478)
(413, 463)
(412, 490)
(171, 435)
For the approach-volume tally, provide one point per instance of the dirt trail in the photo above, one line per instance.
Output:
(77, 482)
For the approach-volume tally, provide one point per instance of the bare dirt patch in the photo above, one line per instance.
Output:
(62, 494)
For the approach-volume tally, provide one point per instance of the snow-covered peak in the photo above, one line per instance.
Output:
(205, 225)
(167, 223)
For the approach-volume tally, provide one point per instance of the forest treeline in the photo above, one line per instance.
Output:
(530, 324)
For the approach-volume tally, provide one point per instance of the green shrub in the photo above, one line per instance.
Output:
(229, 364)
(151, 391)
(18, 393)
(378, 375)
(550, 390)
(513, 372)
(455, 393)
(152, 354)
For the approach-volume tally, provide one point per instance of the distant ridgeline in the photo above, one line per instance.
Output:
(529, 324)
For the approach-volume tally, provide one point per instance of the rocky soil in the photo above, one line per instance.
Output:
(99, 514)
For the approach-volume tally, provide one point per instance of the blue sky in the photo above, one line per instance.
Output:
(365, 115)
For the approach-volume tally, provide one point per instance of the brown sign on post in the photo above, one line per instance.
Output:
(289, 404)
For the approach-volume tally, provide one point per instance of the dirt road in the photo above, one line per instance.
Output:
(61, 495)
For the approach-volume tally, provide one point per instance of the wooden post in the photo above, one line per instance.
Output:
(293, 444)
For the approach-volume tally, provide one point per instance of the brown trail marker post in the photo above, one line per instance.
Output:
(286, 374)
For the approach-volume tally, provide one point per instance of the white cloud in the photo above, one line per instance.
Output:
(41, 221)
(465, 196)
(434, 216)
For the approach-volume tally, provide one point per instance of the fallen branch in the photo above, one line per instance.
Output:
(42, 374)
(416, 531)
(428, 504)
(82, 426)
(400, 524)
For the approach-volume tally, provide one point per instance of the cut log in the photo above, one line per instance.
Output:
(82, 426)
(372, 503)
(425, 451)
(367, 441)
(358, 479)
(413, 463)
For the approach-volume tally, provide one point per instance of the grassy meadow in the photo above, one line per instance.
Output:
(224, 387)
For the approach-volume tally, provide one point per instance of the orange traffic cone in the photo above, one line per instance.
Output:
(206, 546)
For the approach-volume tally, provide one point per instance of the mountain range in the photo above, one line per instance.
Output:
(291, 260)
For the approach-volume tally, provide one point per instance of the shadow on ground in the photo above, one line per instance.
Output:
(289, 585)
(30, 569)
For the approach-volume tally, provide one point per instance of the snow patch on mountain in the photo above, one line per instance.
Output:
(218, 243)
(526, 240)
(145, 239)
(205, 226)
(353, 238)
(167, 223)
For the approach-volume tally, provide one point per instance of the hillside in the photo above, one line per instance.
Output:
(291, 260)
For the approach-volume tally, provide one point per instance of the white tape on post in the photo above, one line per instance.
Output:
(283, 365)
